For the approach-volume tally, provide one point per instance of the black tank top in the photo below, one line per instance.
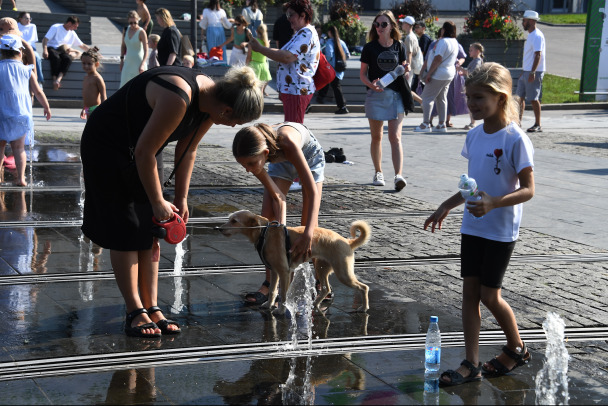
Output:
(122, 117)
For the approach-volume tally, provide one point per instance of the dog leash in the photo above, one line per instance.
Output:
(260, 245)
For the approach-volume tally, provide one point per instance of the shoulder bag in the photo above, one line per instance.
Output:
(325, 73)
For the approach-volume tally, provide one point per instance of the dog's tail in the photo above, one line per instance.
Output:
(364, 234)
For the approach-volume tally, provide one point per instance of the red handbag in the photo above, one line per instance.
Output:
(325, 73)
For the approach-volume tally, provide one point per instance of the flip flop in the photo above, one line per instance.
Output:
(9, 162)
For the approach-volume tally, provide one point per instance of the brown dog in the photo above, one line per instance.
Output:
(332, 251)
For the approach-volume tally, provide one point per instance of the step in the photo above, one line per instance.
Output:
(44, 21)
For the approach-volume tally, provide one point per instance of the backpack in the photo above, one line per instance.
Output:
(325, 73)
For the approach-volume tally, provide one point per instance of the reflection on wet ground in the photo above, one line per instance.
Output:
(62, 330)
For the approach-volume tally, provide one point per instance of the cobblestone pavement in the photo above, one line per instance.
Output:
(549, 271)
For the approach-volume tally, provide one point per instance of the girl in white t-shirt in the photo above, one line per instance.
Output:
(500, 158)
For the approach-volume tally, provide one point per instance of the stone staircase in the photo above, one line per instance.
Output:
(44, 21)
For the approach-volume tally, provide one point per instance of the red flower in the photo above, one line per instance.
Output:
(497, 30)
(401, 16)
(498, 152)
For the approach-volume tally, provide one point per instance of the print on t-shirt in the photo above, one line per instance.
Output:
(387, 60)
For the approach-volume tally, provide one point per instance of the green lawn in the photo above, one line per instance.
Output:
(564, 18)
(558, 89)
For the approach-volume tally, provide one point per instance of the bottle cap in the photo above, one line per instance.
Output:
(434, 319)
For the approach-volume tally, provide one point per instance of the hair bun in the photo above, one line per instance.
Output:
(244, 75)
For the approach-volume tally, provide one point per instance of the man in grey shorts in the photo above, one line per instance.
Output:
(529, 85)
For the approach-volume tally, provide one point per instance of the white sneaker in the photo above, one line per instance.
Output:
(423, 128)
(400, 182)
(440, 128)
(378, 179)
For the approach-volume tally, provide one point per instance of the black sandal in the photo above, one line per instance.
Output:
(499, 369)
(137, 331)
(258, 297)
(164, 324)
(457, 379)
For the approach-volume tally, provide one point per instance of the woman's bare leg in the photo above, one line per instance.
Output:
(126, 270)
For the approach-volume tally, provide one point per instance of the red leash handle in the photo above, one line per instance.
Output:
(174, 229)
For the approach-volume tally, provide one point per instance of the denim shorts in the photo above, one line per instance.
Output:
(383, 106)
(313, 152)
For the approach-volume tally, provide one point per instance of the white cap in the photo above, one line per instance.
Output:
(409, 19)
(11, 42)
(531, 15)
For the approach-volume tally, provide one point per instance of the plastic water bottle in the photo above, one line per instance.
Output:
(432, 355)
(468, 190)
(391, 76)
(431, 388)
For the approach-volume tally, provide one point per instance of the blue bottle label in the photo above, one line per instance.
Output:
(432, 355)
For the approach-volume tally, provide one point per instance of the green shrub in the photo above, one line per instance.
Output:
(343, 14)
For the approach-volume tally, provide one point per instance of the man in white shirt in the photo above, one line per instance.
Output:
(529, 85)
(410, 42)
(61, 34)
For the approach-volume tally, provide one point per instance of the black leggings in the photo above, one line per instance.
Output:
(60, 62)
(335, 84)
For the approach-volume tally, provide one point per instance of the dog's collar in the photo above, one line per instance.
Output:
(259, 246)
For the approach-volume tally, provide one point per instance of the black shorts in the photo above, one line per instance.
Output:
(485, 259)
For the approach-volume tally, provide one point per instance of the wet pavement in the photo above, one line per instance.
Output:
(62, 331)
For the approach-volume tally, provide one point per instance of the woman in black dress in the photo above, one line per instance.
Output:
(159, 106)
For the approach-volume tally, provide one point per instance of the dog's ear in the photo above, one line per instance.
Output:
(252, 220)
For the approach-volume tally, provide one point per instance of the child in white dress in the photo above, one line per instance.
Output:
(16, 80)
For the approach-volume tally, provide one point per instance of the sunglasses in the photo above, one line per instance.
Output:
(383, 24)
(132, 22)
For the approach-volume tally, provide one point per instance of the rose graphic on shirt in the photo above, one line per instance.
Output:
(497, 155)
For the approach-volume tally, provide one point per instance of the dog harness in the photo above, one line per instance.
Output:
(259, 246)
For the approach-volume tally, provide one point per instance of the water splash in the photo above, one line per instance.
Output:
(86, 261)
(299, 304)
(178, 303)
(552, 380)
(298, 390)
(81, 201)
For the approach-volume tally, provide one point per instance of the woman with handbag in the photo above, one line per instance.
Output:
(380, 56)
(336, 53)
(298, 60)
(437, 74)
(161, 105)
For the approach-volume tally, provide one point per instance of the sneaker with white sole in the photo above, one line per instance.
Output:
(400, 183)
(440, 128)
(423, 128)
(378, 179)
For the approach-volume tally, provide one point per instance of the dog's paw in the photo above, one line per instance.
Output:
(279, 311)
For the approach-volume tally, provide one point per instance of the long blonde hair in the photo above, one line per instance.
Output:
(165, 16)
(254, 139)
(497, 79)
(395, 31)
(262, 31)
